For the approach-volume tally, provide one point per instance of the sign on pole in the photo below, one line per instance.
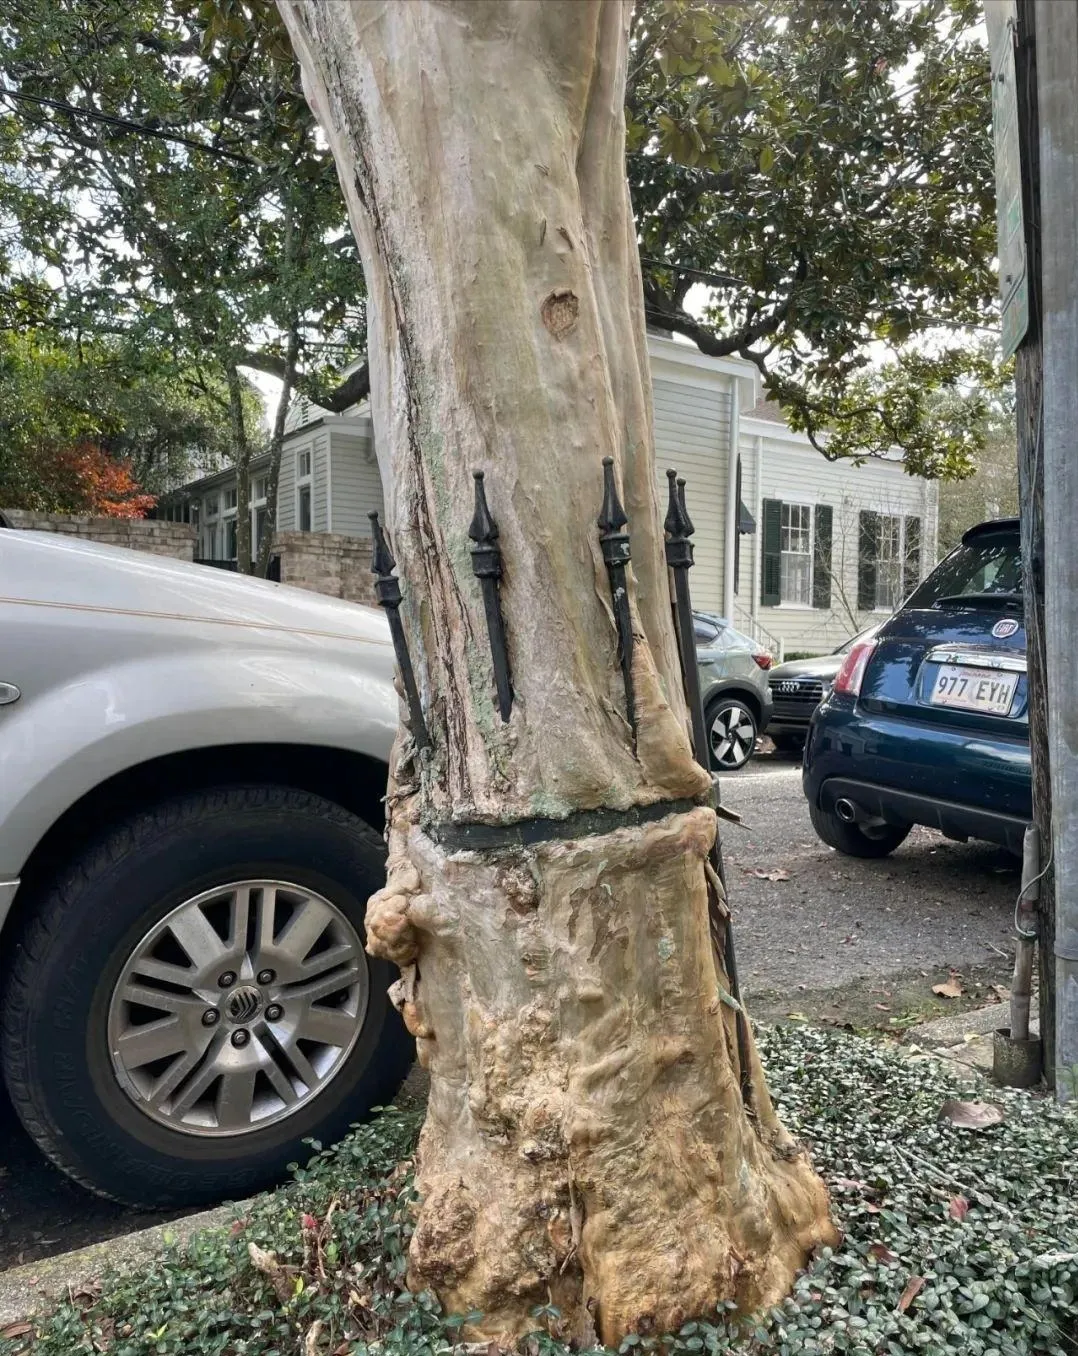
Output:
(1010, 228)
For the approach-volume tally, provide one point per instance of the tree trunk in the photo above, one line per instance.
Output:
(586, 1144)
(241, 446)
(273, 478)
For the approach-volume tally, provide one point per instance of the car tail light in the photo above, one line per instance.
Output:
(852, 673)
(763, 659)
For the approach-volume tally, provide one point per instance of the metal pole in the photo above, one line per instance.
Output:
(1057, 104)
(616, 553)
(387, 590)
(679, 558)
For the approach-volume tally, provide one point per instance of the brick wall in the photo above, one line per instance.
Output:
(138, 534)
(327, 562)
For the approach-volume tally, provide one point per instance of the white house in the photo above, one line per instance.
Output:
(797, 550)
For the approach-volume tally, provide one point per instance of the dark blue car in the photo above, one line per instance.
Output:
(927, 722)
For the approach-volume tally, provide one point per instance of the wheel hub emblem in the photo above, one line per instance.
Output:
(244, 1004)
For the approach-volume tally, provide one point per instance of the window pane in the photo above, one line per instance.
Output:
(230, 539)
(795, 585)
(303, 466)
(889, 563)
(230, 498)
(305, 509)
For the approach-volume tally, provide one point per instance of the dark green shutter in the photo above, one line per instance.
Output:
(868, 553)
(821, 556)
(771, 574)
(737, 534)
(911, 565)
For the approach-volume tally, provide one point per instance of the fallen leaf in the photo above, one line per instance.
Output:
(14, 1330)
(1002, 992)
(959, 1208)
(311, 1341)
(882, 1253)
(873, 1209)
(238, 1226)
(970, 1115)
(309, 1222)
(914, 1286)
(882, 1007)
(776, 873)
(851, 1183)
(949, 989)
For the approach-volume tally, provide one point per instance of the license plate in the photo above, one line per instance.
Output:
(974, 689)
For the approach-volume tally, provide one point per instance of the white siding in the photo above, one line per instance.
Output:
(286, 486)
(357, 487)
(692, 434)
(794, 472)
(320, 483)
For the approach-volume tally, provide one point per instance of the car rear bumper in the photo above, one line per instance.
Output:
(905, 807)
(905, 771)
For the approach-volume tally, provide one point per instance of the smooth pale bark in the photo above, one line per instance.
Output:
(586, 1142)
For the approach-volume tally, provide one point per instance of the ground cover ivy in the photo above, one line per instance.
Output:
(955, 1240)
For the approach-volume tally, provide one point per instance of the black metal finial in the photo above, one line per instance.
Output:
(487, 567)
(616, 554)
(387, 590)
(688, 529)
(679, 550)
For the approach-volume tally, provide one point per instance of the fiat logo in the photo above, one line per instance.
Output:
(1004, 628)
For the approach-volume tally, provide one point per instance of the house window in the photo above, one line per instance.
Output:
(795, 554)
(795, 578)
(303, 517)
(231, 499)
(889, 560)
(230, 538)
(258, 490)
(303, 489)
(889, 563)
(303, 464)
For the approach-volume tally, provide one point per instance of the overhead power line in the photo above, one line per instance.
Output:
(126, 125)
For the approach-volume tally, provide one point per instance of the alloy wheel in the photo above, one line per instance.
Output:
(238, 1008)
(732, 736)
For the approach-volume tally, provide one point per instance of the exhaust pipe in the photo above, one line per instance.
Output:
(846, 810)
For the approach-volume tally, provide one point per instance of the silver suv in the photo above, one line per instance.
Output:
(192, 768)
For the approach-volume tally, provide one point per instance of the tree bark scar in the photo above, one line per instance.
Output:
(560, 311)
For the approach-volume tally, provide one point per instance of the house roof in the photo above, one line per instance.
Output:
(770, 410)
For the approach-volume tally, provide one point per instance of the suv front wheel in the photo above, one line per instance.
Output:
(192, 1000)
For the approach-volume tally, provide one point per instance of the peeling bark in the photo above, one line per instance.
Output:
(586, 1142)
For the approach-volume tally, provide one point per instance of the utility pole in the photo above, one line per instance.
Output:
(1057, 107)
(1012, 38)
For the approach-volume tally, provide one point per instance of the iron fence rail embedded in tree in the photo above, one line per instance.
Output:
(679, 558)
(387, 590)
(487, 568)
(616, 553)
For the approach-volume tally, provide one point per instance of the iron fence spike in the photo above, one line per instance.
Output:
(487, 567)
(612, 516)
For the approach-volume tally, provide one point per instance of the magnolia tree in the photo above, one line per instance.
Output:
(588, 1145)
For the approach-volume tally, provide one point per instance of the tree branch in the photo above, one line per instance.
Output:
(354, 388)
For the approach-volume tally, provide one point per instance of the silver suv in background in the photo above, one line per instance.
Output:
(192, 767)
(733, 684)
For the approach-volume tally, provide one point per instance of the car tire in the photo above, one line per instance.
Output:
(852, 839)
(732, 732)
(64, 1002)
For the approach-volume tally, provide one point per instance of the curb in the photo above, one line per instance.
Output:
(27, 1290)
